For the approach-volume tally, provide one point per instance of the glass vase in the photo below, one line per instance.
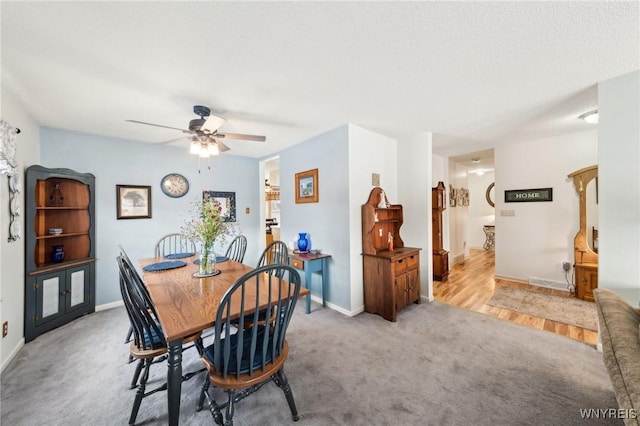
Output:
(207, 260)
(303, 241)
(57, 254)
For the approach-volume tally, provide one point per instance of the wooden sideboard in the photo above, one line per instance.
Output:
(391, 278)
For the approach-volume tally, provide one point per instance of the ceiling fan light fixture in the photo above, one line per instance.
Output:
(212, 147)
(194, 147)
(590, 117)
(204, 151)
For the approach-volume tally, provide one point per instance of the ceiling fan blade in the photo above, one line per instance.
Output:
(158, 125)
(240, 136)
(212, 124)
(222, 147)
(181, 138)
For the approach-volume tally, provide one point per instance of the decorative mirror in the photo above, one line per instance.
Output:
(491, 194)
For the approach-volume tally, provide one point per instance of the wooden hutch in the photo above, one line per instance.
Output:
(585, 255)
(440, 255)
(391, 278)
(60, 217)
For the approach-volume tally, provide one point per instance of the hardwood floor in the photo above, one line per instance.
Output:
(471, 284)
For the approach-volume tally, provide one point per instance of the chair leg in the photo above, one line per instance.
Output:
(140, 392)
(281, 380)
(136, 374)
(129, 333)
(228, 421)
(214, 408)
(203, 392)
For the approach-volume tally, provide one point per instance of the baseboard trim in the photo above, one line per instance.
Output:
(109, 306)
(508, 278)
(337, 308)
(12, 355)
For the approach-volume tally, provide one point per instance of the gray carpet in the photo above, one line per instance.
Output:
(567, 310)
(437, 365)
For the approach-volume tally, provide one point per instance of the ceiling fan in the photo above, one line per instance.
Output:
(203, 133)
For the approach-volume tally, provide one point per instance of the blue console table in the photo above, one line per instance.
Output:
(309, 263)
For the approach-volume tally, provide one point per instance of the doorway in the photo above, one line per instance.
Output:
(272, 199)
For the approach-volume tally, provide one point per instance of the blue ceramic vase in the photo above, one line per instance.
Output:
(303, 242)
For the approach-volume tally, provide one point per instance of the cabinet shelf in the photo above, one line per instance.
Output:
(62, 208)
(51, 267)
(72, 234)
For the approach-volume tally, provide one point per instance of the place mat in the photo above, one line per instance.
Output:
(163, 266)
(219, 259)
(178, 255)
(567, 310)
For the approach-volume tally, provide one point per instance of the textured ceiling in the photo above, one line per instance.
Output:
(474, 73)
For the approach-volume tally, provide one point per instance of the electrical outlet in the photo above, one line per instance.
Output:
(566, 266)
(5, 328)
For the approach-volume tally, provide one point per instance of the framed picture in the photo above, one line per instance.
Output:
(133, 201)
(528, 195)
(307, 186)
(452, 196)
(227, 201)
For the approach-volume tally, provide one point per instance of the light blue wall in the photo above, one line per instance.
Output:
(118, 161)
(327, 221)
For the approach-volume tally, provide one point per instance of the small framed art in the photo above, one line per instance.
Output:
(307, 189)
(133, 202)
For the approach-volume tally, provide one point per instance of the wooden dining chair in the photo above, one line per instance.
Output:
(255, 354)
(275, 253)
(148, 345)
(237, 248)
(174, 243)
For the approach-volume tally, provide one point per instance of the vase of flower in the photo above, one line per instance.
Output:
(207, 226)
(303, 241)
(207, 260)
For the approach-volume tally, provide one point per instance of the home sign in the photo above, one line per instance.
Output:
(528, 195)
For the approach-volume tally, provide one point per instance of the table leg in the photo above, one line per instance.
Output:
(307, 284)
(174, 380)
(325, 280)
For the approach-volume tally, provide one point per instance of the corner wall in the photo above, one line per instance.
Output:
(414, 191)
(369, 153)
(619, 180)
(12, 253)
(533, 243)
(327, 221)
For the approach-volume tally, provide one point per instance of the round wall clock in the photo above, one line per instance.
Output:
(174, 185)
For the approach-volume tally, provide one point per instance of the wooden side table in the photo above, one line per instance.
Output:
(309, 262)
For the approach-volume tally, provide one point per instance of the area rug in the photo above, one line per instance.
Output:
(556, 308)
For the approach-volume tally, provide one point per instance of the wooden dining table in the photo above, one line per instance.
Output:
(185, 306)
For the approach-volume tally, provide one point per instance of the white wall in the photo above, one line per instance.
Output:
(369, 153)
(534, 242)
(480, 211)
(458, 216)
(118, 161)
(12, 253)
(414, 191)
(619, 181)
